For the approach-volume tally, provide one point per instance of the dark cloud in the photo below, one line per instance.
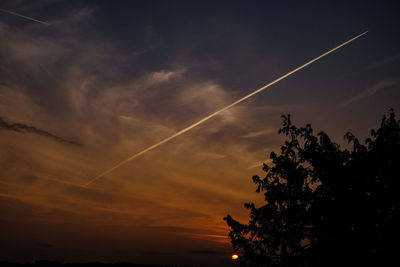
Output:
(152, 252)
(23, 128)
(209, 252)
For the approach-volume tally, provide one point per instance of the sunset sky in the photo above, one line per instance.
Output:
(90, 83)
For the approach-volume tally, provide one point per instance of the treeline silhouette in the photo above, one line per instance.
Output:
(83, 264)
(325, 206)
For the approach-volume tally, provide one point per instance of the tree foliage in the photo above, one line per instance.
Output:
(325, 206)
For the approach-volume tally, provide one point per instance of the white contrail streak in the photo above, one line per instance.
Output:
(218, 111)
(22, 16)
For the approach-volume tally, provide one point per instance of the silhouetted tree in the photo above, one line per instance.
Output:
(325, 206)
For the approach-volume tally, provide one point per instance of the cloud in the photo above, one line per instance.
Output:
(161, 253)
(210, 252)
(23, 128)
(209, 155)
(70, 79)
(259, 163)
(212, 237)
(371, 90)
(162, 76)
(383, 62)
(258, 133)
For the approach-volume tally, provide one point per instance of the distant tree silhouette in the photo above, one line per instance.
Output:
(82, 264)
(325, 206)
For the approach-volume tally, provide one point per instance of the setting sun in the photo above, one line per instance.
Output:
(235, 257)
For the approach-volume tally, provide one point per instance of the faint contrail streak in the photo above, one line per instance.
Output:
(22, 16)
(217, 112)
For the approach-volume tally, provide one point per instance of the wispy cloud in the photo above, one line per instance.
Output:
(209, 252)
(259, 163)
(258, 133)
(383, 62)
(371, 90)
(210, 155)
(212, 237)
(67, 84)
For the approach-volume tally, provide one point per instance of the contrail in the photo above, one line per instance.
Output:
(219, 111)
(22, 16)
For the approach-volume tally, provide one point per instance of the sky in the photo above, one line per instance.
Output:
(85, 85)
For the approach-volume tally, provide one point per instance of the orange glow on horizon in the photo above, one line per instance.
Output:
(235, 257)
